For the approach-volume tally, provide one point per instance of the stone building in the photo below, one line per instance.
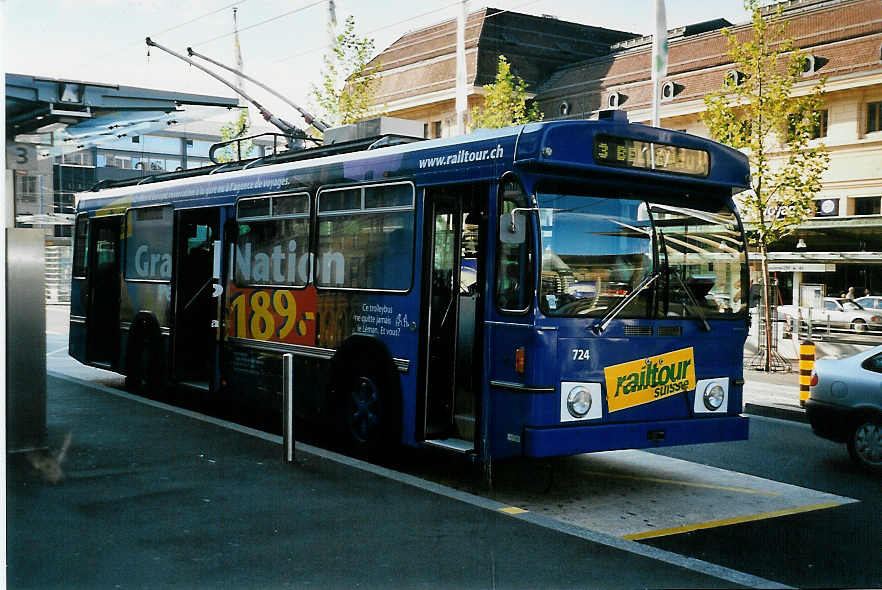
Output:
(417, 72)
(840, 247)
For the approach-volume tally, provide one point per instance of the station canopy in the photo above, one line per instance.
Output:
(62, 116)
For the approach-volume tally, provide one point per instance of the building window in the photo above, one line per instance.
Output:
(808, 65)
(734, 78)
(136, 139)
(425, 130)
(820, 128)
(436, 129)
(81, 158)
(867, 205)
(874, 116)
(668, 91)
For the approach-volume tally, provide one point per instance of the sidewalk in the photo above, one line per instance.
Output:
(159, 498)
(774, 395)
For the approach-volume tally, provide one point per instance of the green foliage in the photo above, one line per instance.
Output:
(505, 102)
(348, 85)
(774, 129)
(238, 127)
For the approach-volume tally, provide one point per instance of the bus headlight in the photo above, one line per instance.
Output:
(713, 397)
(579, 402)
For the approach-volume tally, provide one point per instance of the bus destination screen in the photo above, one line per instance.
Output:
(633, 153)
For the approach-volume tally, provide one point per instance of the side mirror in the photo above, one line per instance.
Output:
(512, 228)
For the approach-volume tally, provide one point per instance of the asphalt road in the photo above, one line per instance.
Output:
(839, 547)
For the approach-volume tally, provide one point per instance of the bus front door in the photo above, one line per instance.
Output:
(196, 306)
(452, 280)
(102, 343)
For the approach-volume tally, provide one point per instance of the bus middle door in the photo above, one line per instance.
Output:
(195, 333)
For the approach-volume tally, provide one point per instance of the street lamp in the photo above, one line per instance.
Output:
(800, 243)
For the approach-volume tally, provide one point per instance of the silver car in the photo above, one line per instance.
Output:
(845, 404)
(838, 312)
(870, 302)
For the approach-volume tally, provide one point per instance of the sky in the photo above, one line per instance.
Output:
(282, 41)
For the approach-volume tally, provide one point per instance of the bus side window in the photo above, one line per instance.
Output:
(514, 264)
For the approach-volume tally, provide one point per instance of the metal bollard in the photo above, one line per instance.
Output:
(288, 406)
(806, 364)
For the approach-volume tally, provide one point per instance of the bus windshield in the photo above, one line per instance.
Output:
(597, 250)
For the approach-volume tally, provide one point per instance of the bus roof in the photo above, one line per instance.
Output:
(554, 147)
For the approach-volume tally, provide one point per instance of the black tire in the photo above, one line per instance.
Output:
(371, 407)
(865, 444)
(141, 376)
(859, 326)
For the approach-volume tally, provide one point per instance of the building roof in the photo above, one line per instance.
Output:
(423, 62)
(845, 36)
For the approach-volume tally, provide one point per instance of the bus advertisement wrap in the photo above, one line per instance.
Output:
(645, 380)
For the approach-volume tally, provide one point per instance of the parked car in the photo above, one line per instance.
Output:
(870, 302)
(845, 404)
(839, 313)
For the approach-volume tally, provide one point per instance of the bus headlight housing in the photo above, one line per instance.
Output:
(580, 401)
(711, 396)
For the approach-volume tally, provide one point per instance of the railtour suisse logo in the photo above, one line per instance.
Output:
(649, 379)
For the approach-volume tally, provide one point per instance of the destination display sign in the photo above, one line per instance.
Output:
(632, 153)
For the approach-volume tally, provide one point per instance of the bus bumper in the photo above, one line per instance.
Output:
(572, 440)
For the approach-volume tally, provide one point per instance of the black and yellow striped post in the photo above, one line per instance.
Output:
(806, 364)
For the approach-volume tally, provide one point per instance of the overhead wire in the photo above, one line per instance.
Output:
(193, 20)
(263, 22)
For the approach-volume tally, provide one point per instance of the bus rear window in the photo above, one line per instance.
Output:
(149, 244)
(365, 237)
(81, 246)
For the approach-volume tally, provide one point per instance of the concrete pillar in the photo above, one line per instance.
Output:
(797, 281)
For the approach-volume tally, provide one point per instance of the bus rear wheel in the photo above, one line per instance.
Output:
(369, 410)
(141, 377)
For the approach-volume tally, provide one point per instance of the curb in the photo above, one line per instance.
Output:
(782, 412)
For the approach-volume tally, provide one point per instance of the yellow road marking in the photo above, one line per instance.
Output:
(684, 483)
(513, 510)
(728, 521)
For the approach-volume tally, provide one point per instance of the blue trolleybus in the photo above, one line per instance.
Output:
(548, 289)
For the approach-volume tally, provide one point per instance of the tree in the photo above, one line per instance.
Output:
(348, 84)
(236, 128)
(505, 102)
(755, 111)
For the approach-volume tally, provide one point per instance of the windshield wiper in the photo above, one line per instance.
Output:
(689, 294)
(600, 325)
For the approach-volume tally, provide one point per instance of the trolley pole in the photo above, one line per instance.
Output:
(288, 407)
